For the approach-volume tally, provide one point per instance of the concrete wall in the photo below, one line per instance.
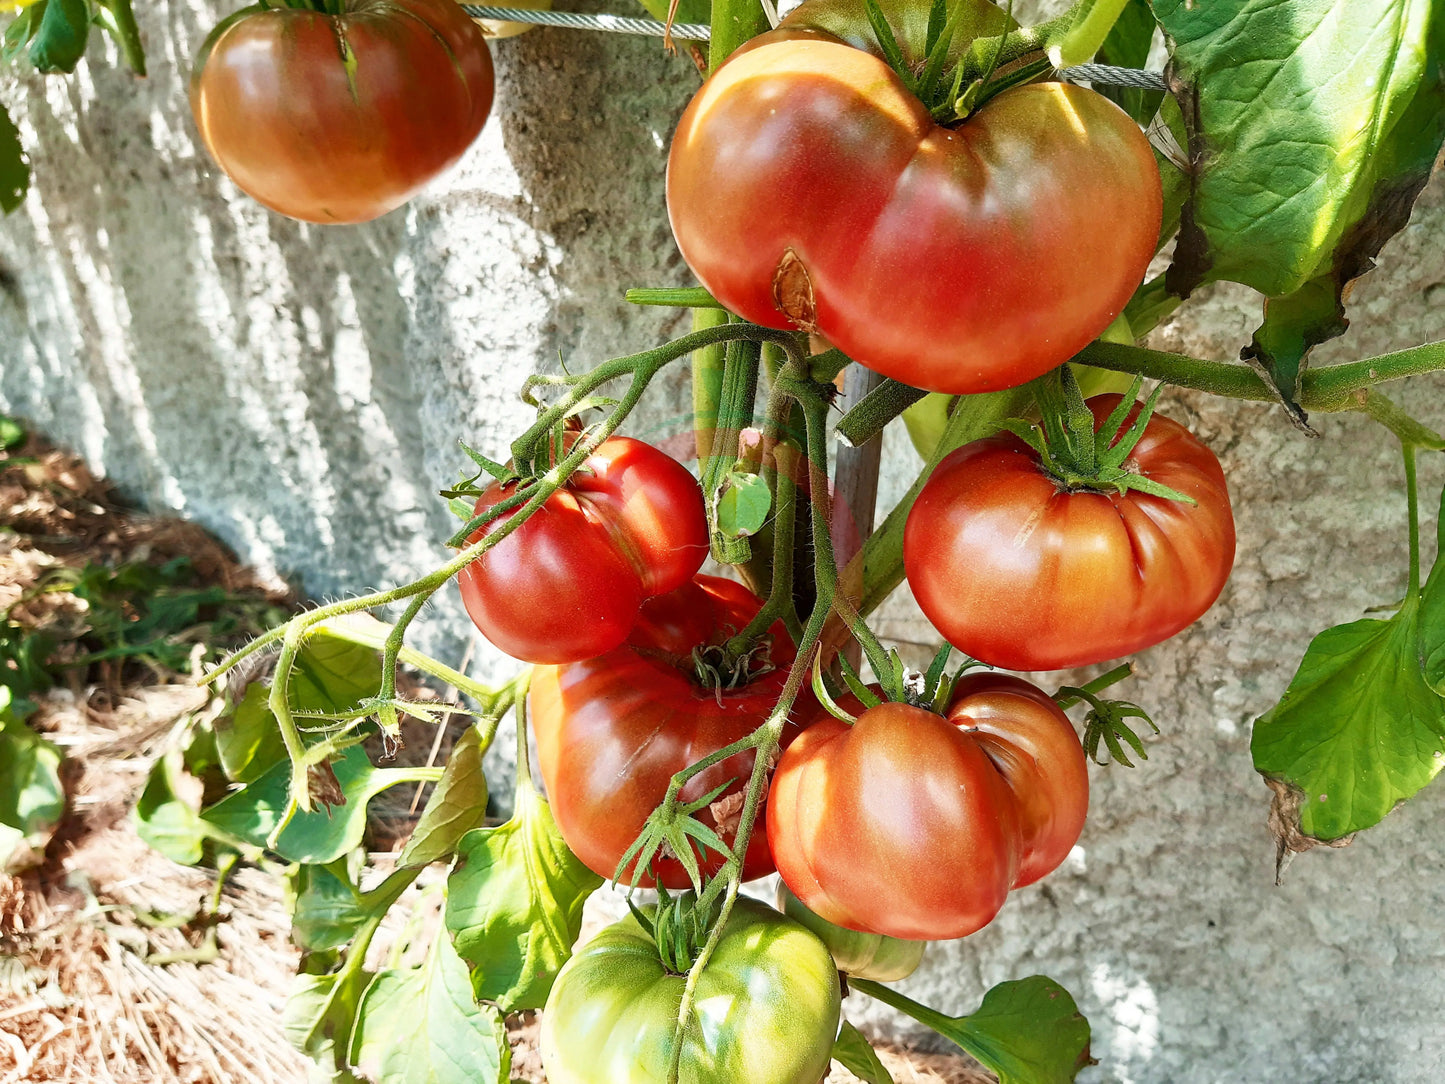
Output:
(299, 390)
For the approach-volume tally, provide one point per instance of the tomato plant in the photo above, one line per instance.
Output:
(767, 1008)
(809, 187)
(916, 825)
(904, 180)
(1020, 569)
(567, 584)
(341, 115)
(613, 730)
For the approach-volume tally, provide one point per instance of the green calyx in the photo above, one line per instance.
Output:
(931, 690)
(719, 672)
(987, 66)
(1076, 454)
(1106, 719)
(679, 926)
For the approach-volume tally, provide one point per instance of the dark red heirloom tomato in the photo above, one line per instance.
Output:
(567, 583)
(808, 188)
(341, 118)
(612, 731)
(1019, 572)
(915, 825)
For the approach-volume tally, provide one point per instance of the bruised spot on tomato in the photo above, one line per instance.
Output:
(793, 291)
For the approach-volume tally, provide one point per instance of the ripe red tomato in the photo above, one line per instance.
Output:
(915, 825)
(341, 118)
(612, 731)
(808, 188)
(567, 584)
(1022, 574)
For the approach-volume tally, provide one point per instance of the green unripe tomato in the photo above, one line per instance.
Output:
(861, 955)
(766, 1008)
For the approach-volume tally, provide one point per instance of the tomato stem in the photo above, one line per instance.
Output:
(1067, 700)
(733, 22)
(1330, 389)
(1412, 504)
(734, 413)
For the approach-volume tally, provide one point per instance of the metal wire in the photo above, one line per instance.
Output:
(1114, 77)
(617, 24)
(622, 24)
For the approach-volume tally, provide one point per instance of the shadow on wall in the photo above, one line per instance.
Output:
(586, 120)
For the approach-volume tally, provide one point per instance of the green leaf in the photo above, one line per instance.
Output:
(255, 811)
(325, 909)
(331, 675)
(320, 1013)
(856, 1054)
(743, 504)
(164, 818)
(1128, 46)
(1358, 730)
(12, 433)
(456, 806)
(1028, 1031)
(421, 1026)
(514, 904)
(248, 739)
(31, 796)
(1316, 124)
(60, 41)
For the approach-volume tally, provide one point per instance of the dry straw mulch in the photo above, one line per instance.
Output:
(106, 973)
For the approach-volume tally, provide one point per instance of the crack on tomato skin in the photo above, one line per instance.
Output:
(348, 56)
(793, 291)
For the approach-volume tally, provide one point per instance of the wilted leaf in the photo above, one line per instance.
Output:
(247, 738)
(319, 1015)
(60, 41)
(165, 818)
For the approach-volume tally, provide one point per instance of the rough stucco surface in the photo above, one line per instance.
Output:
(300, 390)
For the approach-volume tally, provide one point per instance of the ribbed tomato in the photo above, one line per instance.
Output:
(341, 117)
(613, 730)
(809, 188)
(567, 584)
(765, 1009)
(916, 825)
(1020, 572)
